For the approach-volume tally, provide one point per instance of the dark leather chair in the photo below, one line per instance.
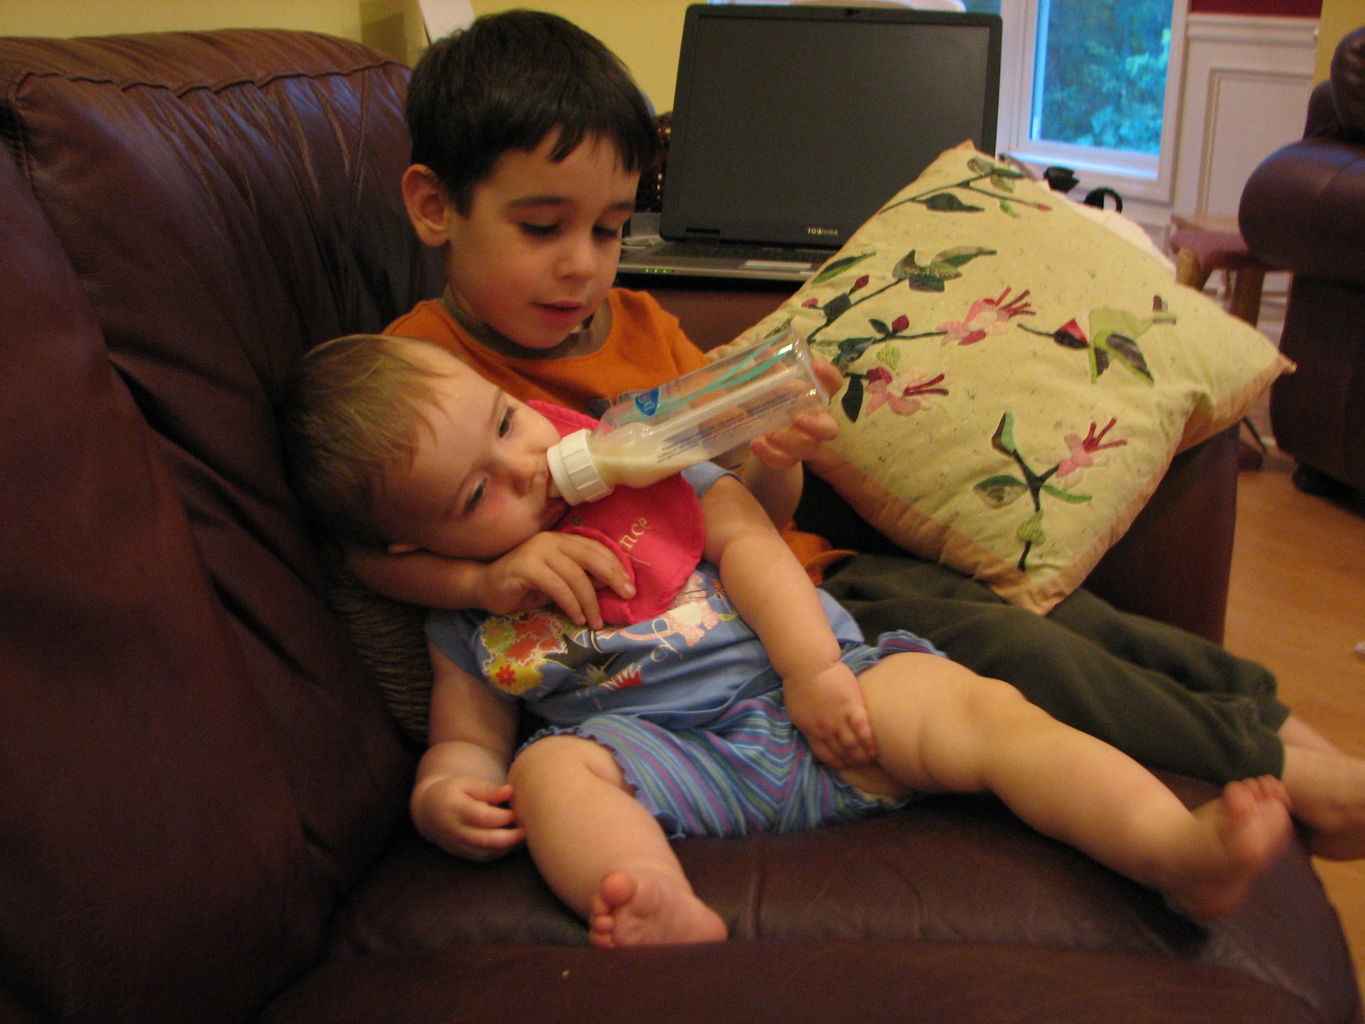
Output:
(203, 801)
(1303, 210)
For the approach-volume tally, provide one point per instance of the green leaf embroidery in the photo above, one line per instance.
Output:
(852, 402)
(961, 255)
(1001, 490)
(839, 266)
(1003, 438)
(836, 307)
(1067, 496)
(1126, 351)
(946, 202)
(905, 266)
(1031, 530)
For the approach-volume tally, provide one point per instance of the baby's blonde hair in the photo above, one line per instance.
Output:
(351, 411)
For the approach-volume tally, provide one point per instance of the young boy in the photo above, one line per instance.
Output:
(394, 441)
(528, 142)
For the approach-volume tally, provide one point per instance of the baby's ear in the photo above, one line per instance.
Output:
(402, 549)
(429, 207)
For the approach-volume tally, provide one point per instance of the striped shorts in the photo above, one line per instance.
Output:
(748, 770)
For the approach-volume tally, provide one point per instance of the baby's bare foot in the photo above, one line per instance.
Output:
(1244, 831)
(642, 908)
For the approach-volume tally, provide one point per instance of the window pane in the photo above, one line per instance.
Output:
(1100, 73)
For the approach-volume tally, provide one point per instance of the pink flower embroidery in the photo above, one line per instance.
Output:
(986, 316)
(906, 394)
(1083, 450)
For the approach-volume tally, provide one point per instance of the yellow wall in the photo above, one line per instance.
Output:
(644, 33)
(1338, 18)
(101, 17)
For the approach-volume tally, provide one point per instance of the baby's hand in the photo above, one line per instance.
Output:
(559, 568)
(783, 449)
(828, 707)
(465, 816)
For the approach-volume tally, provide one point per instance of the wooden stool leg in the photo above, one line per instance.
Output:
(1246, 294)
(1188, 269)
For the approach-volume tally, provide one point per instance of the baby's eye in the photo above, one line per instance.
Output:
(505, 424)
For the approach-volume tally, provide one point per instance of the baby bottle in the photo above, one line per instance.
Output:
(649, 435)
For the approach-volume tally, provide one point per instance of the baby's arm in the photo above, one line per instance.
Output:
(460, 798)
(775, 597)
(549, 568)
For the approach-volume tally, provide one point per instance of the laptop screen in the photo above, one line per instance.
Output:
(794, 124)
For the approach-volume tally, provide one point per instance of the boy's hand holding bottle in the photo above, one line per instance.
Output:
(785, 448)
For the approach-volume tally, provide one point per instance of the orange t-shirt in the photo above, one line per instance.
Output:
(644, 348)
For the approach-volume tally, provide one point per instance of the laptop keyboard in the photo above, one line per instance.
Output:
(741, 252)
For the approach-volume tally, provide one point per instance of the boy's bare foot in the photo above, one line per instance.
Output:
(1328, 790)
(1244, 831)
(642, 908)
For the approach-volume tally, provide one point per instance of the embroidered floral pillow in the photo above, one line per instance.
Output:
(1017, 376)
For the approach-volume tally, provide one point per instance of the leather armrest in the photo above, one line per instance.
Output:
(1303, 210)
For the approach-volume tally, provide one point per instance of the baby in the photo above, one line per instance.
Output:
(749, 702)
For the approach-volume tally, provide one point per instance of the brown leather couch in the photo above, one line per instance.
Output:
(202, 798)
(1303, 210)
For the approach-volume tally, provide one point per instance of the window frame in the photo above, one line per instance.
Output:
(1131, 174)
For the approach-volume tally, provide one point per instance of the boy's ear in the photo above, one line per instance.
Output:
(429, 207)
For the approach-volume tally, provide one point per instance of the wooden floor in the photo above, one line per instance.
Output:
(1298, 606)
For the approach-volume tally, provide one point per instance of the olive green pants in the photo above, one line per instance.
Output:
(1167, 698)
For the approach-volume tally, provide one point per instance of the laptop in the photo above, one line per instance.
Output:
(793, 124)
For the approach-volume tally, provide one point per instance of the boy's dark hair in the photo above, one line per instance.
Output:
(507, 82)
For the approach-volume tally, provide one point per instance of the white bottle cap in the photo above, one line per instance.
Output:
(575, 474)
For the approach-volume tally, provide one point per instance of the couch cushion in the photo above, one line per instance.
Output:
(944, 870)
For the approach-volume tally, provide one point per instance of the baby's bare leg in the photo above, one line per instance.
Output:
(1295, 732)
(599, 849)
(1327, 788)
(940, 727)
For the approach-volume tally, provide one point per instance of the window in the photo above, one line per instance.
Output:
(1092, 84)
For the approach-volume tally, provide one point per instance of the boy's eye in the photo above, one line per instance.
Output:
(607, 232)
(540, 230)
